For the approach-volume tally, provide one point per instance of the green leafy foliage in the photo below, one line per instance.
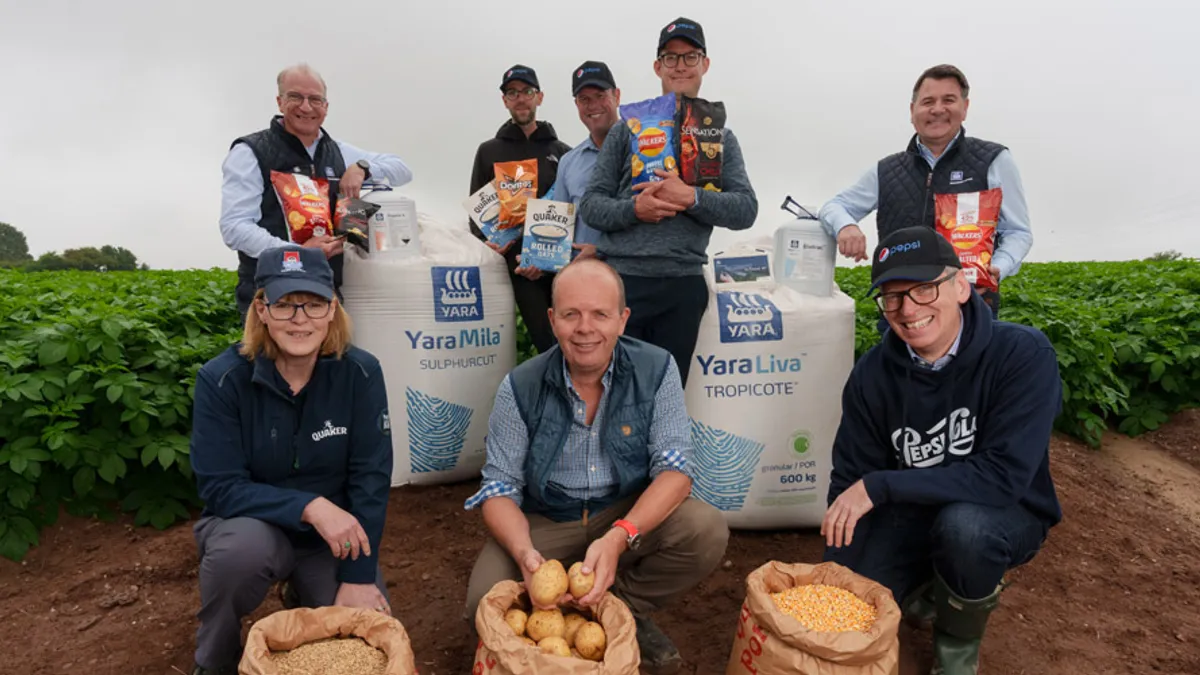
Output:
(1127, 336)
(97, 371)
(96, 375)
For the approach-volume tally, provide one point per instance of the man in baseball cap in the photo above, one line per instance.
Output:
(657, 236)
(941, 466)
(522, 137)
(596, 98)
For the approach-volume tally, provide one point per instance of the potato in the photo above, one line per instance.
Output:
(573, 621)
(554, 645)
(590, 641)
(549, 583)
(528, 640)
(516, 619)
(544, 623)
(580, 584)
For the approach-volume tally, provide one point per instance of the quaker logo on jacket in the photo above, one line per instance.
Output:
(954, 434)
(327, 431)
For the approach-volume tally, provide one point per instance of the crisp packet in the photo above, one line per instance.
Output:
(652, 125)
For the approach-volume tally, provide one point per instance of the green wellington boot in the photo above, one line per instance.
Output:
(918, 609)
(958, 629)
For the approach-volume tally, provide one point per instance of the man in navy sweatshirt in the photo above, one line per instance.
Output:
(941, 468)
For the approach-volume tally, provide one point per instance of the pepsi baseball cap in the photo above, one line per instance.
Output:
(592, 74)
(682, 28)
(520, 73)
(912, 254)
(293, 269)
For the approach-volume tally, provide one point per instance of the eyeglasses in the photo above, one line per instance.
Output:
(286, 311)
(671, 59)
(921, 294)
(512, 94)
(296, 98)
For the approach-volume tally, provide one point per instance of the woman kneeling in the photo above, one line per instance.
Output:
(292, 453)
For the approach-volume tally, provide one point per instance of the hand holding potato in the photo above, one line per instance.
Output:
(548, 584)
(601, 561)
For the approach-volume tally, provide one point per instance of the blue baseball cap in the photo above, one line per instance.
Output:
(293, 269)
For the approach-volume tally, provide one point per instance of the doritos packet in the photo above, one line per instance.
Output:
(516, 184)
(484, 209)
(652, 125)
(968, 221)
(305, 203)
(352, 220)
(701, 142)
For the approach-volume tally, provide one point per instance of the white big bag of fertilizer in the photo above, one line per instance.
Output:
(442, 326)
(764, 394)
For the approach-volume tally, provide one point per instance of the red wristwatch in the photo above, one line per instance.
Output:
(634, 539)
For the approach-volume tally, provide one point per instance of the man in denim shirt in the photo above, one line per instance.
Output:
(589, 458)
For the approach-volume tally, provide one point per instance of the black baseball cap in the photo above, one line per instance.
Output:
(293, 269)
(682, 28)
(520, 73)
(912, 254)
(592, 74)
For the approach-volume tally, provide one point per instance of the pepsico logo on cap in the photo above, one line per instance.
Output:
(883, 254)
(580, 73)
(671, 28)
(508, 74)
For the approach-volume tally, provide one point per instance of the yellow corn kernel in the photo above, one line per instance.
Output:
(826, 609)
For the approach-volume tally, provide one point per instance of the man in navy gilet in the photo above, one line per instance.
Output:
(940, 159)
(589, 458)
(251, 217)
(941, 464)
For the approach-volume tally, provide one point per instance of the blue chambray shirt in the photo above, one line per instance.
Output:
(574, 174)
(584, 470)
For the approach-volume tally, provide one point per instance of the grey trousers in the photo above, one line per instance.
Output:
(240, 558)
(672, 558)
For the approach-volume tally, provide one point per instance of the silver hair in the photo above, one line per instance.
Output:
(299, 68)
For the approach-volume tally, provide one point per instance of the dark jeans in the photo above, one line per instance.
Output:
(240, 558)
(533, 301)
(666, 312)
(969, 545)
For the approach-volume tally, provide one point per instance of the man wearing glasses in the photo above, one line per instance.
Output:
(940, 159)
(596, 98)
(657, 237)
(523, 137)
(941, 467)
(251, 218)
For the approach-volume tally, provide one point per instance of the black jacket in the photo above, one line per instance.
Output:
(511, 145)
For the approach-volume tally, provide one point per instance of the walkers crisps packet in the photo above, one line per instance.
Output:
(305, 203)
(701, 142)
(516, 184)
(652, 124)
(484, 209)
(968, 221)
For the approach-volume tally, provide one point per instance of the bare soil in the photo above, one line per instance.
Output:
(1115, 591)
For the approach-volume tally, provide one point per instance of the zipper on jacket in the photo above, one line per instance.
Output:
(925, 203)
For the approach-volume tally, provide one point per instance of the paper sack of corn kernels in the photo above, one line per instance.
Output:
(770, 639)
(339, 635)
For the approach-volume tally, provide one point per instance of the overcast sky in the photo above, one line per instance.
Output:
(116, 115)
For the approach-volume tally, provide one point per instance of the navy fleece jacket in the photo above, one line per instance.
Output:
(976, 431)
(258, 451)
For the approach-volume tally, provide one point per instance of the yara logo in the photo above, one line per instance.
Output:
(746, 317)
(328, 430)
(954, 433)
(457, 295)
